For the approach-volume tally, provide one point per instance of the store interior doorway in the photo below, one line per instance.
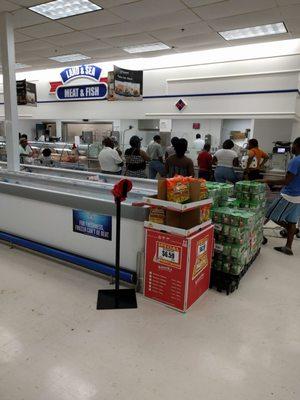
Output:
(88, 132)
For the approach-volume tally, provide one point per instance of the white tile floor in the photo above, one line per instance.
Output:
(54, 344)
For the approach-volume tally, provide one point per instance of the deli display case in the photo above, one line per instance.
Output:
(83, 157)
(44, 206)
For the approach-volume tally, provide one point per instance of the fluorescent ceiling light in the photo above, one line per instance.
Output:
(65, 8)
(69, 57)
(143, 48)
(254, 31)
(20, 66)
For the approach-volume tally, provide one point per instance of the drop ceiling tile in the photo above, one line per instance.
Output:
(293, 26)
(290, 12)
(112, 3)
(29, 60)
(8, 6)
(69, 38)
(107, 53)
(196, 40)
(20, 37)
(33, 45)
(246, 20)
(140, 9)
(188, 49)
(27, 57)
(53, 52)
(183, 17)
(24, 17)
(159, 53)
(91, 20)
(287, 2)
(29, 3)
(232, 7)
(44, 30)
(121, 41)
(91, 45)
(181, 31)
(198, 3)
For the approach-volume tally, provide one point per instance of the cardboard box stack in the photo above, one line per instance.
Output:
(180, 203)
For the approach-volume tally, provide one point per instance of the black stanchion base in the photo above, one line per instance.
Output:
(111, 299)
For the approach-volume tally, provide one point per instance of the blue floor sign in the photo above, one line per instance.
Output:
(91, 224)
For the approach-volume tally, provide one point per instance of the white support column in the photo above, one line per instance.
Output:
(9, 88)
(59, 129)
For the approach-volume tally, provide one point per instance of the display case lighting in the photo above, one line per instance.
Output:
(254, 31)
(69, 58)
(65, 8)
(143, 48)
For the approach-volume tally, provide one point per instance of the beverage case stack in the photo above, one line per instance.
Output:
(238, 233)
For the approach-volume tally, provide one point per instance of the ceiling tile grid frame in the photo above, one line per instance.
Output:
(186, 25)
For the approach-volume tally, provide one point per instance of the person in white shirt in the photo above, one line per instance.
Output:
(109, 159)
(25, 150)
(226, 159)
(198, 143)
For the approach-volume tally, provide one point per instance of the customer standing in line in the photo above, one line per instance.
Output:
(109, 159)
(136, 159)
(285, 211)
(198, 143)
(155, 153)
(178, 163)
(226, 159)
(205, 163)
(170, 150)
(256, 161)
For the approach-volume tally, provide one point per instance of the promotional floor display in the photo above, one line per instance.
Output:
(178, 242)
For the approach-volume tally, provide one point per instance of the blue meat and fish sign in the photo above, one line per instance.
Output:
(96, 91)
(82, 71)
(90, 224)
(82, 92)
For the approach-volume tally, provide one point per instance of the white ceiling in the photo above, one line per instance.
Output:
(185, 25)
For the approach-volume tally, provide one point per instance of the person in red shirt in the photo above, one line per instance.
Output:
(205, 163)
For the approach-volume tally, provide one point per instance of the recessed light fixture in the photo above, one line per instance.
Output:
(69, 57)
(65, 8)
(143, 48)
(20, 66)
(254, 31)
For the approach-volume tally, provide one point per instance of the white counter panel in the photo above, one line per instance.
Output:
(52, 225)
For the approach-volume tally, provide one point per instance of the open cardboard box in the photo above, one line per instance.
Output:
(176, 230)
(182, 216)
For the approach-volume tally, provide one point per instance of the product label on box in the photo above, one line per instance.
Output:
(219, 247)
(201, 259)
(218, 227)
(169, 255)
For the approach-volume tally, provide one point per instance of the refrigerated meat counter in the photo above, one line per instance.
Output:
(83, 175)
(38, 208)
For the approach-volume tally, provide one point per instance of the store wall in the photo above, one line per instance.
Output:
(295, 130)
(239, 125)
(184, 128)
(242, 89)
(268, 131)
(211, 86)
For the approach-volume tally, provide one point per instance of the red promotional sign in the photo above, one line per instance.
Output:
(177, 268)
